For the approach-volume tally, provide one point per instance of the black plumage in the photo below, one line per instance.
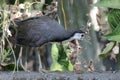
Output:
(36, 31)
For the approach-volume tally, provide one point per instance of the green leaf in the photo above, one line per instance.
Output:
(114, 20)
(60, 60)
(116, 31)
(5, 55)
(107, 50)
(113, 37)
(55, 66)
(108, 3)
(70, 66)
(54, 52)
(1, 3)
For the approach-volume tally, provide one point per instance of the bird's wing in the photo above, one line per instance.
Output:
(39, 31)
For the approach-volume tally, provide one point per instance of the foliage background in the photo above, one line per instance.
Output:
(72, 14)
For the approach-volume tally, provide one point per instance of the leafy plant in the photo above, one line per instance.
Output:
(60, 58)
(108, 4)
(5, 55)
(7, 14)
(107, 50)
(114, 22)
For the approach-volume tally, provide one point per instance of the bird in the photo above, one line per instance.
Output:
(36, 31)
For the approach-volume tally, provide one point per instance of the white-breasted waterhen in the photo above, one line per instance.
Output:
(36, 31)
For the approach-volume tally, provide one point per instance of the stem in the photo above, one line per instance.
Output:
(12, 52)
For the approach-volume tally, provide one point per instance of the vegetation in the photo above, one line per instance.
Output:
(114, 22)
(66, 12)
(9, 10)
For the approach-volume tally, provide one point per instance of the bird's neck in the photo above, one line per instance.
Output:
(68, 40)
(68, 36)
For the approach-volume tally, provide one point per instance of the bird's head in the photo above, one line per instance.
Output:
(78, 36)
(75, 35)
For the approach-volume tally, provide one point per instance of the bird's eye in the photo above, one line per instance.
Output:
(82, 35)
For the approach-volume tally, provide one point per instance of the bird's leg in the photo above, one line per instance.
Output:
(19, 57)
(26, 58)
(38, 63)
(19, 60)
